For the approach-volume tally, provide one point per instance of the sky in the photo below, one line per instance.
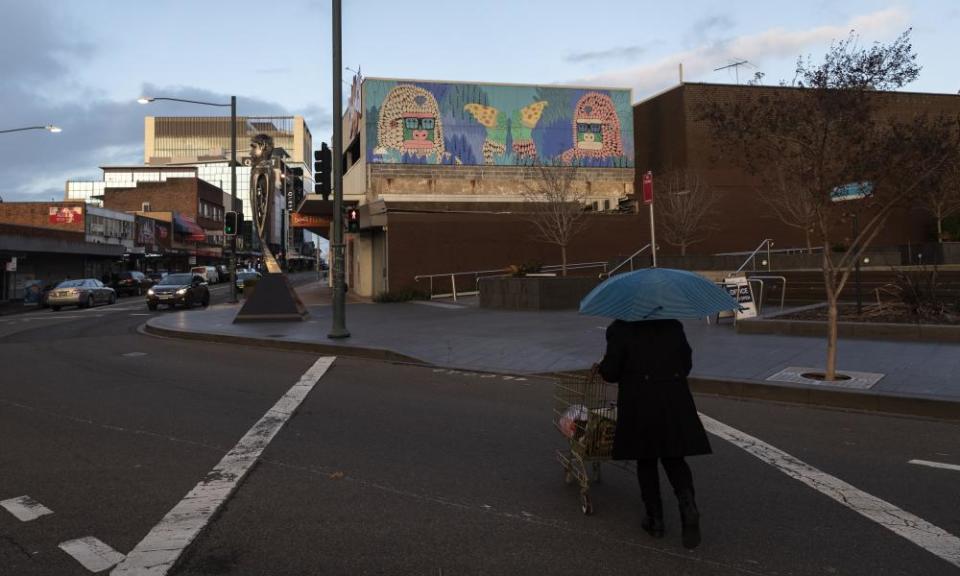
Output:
(81, 64)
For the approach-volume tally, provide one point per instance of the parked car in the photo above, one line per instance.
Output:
(244, 275)
(208, 273)
(184, 289)
(224, 272)
(83, 293)
(156, 276)
(132, 282)
(45, 293)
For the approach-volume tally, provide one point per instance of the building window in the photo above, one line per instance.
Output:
(145, 207)
(606, 204)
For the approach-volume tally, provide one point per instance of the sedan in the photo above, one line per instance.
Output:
(83, 293)
(244, 275)
(179, 289)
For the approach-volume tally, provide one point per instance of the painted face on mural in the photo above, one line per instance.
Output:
(409, 122)
(589, 135)
(419, 132)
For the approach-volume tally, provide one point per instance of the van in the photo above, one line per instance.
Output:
(208, 273)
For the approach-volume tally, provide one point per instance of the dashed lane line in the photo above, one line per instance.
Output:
(156, 554)
(92, 553)
(935, 464)
(25, 508)
(915, 529)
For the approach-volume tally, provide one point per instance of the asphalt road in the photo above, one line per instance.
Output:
(395, 469)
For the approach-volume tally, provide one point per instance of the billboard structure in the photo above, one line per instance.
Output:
(412, 122)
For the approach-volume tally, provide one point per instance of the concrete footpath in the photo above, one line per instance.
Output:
(917, 378)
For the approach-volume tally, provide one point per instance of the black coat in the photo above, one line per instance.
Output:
(656, 416)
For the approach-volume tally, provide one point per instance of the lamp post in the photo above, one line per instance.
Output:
(48, 128)
(233, 173)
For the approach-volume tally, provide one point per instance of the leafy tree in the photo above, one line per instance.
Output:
(829, 129)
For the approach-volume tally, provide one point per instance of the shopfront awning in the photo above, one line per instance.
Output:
(186, 227)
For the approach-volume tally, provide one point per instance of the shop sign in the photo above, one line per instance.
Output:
(298, 220)
(739, 288)
(12, 264)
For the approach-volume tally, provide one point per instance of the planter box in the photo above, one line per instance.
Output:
(535, 293)
(863, 330)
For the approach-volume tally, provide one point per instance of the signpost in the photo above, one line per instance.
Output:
(847, 192)
(648, 200)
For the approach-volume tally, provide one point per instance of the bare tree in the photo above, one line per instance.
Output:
(827, 130)
(555, 205)
(942, 200)
(685, 207)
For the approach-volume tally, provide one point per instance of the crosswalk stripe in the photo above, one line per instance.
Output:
(25, 508)
(92, 553)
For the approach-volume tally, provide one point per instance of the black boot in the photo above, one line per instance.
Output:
(689, 519)
(652, 522)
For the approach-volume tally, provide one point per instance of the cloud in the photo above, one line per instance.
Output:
(708, 28)
(772, 44)
(620, 52)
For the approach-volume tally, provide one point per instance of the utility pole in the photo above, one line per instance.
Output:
(233, 198)
(339, 329)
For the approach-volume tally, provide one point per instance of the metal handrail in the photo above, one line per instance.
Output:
(768, 242)
(761, 278)
(499, 272)
(622, 264)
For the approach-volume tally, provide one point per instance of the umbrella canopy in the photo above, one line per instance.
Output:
(657, 293)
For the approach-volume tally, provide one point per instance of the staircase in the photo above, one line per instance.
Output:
(806, 286)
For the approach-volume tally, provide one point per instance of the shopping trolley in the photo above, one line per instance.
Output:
(585, 412)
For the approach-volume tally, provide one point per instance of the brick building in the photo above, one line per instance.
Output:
(671, 136)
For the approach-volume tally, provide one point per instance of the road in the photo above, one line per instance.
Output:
(400, 469)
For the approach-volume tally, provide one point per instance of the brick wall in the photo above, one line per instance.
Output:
(174, 195)
(37, 214)
(420, 243)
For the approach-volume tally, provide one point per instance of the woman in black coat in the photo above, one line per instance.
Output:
(656, 415)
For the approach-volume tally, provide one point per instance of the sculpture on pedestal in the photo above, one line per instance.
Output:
(262, 190)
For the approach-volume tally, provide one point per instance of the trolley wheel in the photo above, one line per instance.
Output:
(596, 472)
(585, 504)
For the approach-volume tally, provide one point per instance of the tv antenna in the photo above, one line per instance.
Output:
(736, 67)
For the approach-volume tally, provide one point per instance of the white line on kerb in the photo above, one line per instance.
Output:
(160, 549)
(935, 464)
(913, 528)
(92, 553)
(25, 508)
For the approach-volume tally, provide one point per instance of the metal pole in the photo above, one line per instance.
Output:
(233, 198)
(856, 267)
(653, 237)
(339, 329)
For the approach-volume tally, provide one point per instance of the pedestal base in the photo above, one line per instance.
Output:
(273, 300)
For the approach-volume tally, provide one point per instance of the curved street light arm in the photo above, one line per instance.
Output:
(48, 127)
(147, 99)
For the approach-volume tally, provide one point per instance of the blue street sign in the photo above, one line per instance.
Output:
(852, 191)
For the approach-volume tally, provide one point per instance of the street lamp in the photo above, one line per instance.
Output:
(48, 128)
(233, 173)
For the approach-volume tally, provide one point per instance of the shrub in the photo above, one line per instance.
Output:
(404, 295)
(519, 270)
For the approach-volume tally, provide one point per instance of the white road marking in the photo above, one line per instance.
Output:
(935, 464)
(439, 305)
(160, 549)
(142, 314)
(915, 529)
(25, 508)
(93, 554)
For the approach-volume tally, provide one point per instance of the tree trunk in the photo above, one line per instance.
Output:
(831, 369)
(683, 249)
(563, 260)
(939, 229)
(809, 245)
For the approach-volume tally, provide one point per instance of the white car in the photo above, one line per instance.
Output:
(208, 273)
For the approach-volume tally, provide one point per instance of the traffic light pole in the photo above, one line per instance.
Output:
(233, 195)
(339, 329)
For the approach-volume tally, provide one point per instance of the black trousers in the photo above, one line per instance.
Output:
(678, 473)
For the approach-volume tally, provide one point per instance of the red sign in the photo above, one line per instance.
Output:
(648, 188)
(298, 220)
(65, 214)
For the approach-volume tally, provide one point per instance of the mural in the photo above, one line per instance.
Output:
(441, 123)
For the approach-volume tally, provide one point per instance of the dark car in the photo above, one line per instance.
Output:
(156, 276)
(183, 289)
(244, 275)
(132, 282)
(82, 293)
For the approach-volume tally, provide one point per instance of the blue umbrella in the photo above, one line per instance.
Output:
(657, 293)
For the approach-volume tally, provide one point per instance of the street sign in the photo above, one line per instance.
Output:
(648, 187)
(852, 191)
(739, 287)
(12, 264)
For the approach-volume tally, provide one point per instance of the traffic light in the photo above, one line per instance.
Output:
(230, 223)
(353, 220)
(321, 170)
